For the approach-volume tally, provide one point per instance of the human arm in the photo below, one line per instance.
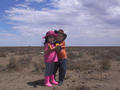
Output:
(49, 48)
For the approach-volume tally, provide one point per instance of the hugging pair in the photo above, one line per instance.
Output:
(55, 56)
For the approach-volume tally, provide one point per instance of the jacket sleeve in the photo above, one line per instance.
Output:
(63, 44)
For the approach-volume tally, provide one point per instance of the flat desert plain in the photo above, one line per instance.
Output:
(88, 68)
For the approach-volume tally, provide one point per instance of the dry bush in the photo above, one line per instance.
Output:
(38, 67)
(117, 58)
(29, 62)
(1, 67)
(79, 87)
(74, 54)
(12, 63)
(71, 55)
(105, 64)
(107, 53)
(38, 64)
(2, 54)
(80, 65)
(99, 55)
(24, 61)
(77, 57)
(22, 52)
(115, 53)
(19, 64)
(28, 50)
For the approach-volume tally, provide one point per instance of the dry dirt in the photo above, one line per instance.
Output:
(88, 68)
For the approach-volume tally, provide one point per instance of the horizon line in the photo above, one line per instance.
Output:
(66, 46)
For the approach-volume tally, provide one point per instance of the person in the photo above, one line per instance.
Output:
(62, 55)
(50, 57)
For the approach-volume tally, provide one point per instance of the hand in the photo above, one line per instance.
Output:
(59, 48)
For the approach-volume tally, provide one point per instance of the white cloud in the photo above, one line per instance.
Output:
(67, 4)
(10, 39)
(38, 1)
(114, 12)
(79, 18)
(6, 34)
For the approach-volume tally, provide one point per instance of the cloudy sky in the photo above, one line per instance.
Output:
(86, 22)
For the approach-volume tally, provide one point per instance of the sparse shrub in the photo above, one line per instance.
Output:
(73, 66)
(77, 57)
(39, 67)
(38, 64)
(24, 61)
(83, 87)
(105, 64)
(115, 53)
(103, 55)
(74, 54)
(22, 52)
(117, 58)
(19, 64)
(80, 65)
(71, 55)
(0, 67)
(12, 63)
(2, 54)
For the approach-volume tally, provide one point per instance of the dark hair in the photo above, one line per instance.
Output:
(64, 35)
(46, 40)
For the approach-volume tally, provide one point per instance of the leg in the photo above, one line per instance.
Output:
(48, 69)
(47, 81)
(52, 78)
(56, 66)
(62, 71)
(48, 73)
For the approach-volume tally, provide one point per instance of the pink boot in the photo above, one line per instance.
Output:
(47, 81)
(53, 79)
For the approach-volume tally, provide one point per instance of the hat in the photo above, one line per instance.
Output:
(61, 32)
(50, 33)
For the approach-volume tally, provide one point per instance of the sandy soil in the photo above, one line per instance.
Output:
(86, 75)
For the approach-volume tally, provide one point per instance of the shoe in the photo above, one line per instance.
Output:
(60, 83)
(53, 79)
(47, 81)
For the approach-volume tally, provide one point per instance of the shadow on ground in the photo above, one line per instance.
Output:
(36, 83)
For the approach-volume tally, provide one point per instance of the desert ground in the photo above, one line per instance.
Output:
(88, 68)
